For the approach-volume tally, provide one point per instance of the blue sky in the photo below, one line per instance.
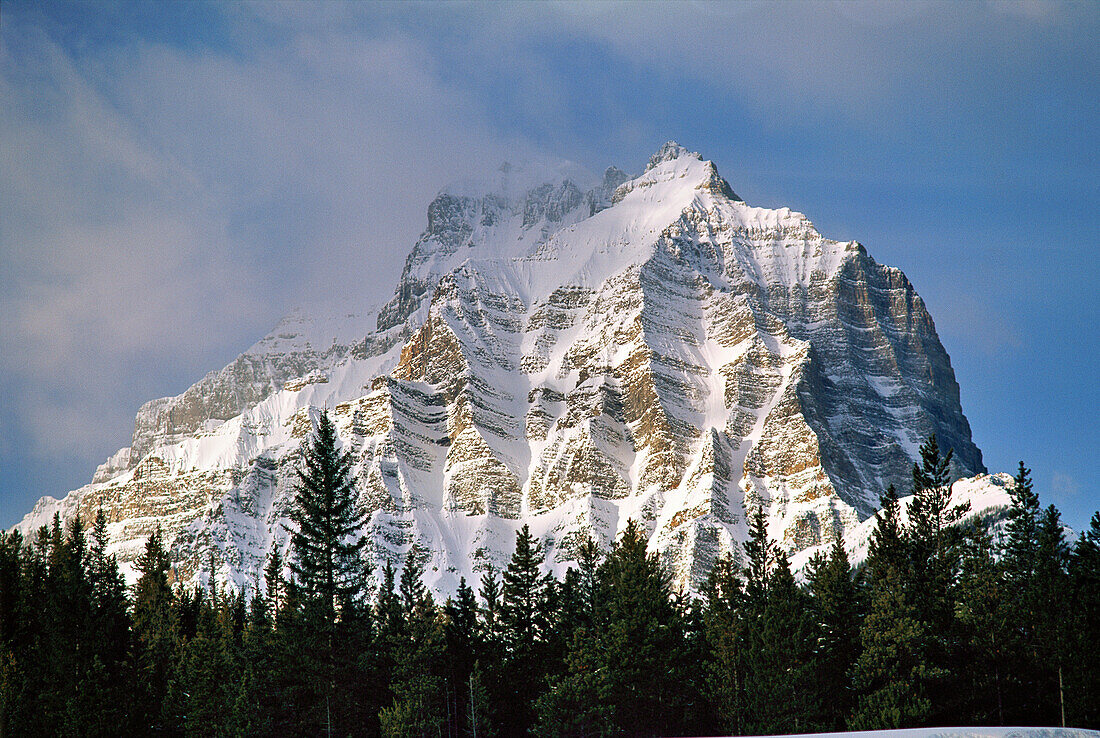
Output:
(174, 177)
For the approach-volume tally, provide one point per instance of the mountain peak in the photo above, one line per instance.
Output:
(669, 151)
(573, 352)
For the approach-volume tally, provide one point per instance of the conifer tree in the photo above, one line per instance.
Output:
(934, 542)
(1022, 596)
(491, 625)
(418, 682)
(979, 666)
(759, 556)
(624, 676)
(1021, 532)
(781, 696)
(524, 596)
(837, 607)
(208, 671)
(890, 675)
(1052, 631)
(274, 583)
(1083, 683)
(156, 624)
(723, 625)
(256, 702)
(325, 562)
(463, 641)
(642, 635)
(326, 545)
(524, 626)
(107, 640)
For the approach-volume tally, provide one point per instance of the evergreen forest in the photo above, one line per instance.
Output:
(943, 625)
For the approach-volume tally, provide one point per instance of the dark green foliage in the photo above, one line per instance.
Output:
(724, 631)
(837, 605)
(940, 625)
(419, 684)
(327, 545)
(525, 613)
(327, 588)
(156, 636)
(891, 673)
(981, 657)
(624, 675)
(1082, 689)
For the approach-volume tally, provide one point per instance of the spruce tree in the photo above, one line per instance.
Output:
(156, 633)
(934, 542)
(419, 673)
(524, 596)
(979, 660)
(524, 625)
(723, 625)
(625, 675)
(837, 606)
(108, 638)
(326, 560)
(326, 544)
(462, 637)
(1023, 599)
(1021, 531)
(759, 556)
(891, 672)
(1052, 632)
(781, 695)
(1083, 682)
(490, 612)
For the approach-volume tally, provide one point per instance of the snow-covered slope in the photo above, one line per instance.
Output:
(569, 357)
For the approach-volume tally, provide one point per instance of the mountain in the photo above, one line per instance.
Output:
(568, 355)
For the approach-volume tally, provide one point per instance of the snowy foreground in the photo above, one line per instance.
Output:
(960, 733)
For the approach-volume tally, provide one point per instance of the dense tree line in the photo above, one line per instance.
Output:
(942, 625)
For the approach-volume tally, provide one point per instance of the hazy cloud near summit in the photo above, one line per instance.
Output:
(164, 207)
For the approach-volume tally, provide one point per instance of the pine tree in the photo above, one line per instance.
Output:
(524, 625)
(724, 631)
(837, 605)
(156, 623)
(326, 545)
(1083, 678)
(418, 682)
(890, 673)
(325, 562)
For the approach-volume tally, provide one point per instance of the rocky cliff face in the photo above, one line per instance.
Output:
(650, 348)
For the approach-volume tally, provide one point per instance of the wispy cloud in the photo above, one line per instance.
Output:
(165, 205)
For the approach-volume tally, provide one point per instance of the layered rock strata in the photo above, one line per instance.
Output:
(650, 348)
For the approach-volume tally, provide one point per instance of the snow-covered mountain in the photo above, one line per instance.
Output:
(568, 356)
